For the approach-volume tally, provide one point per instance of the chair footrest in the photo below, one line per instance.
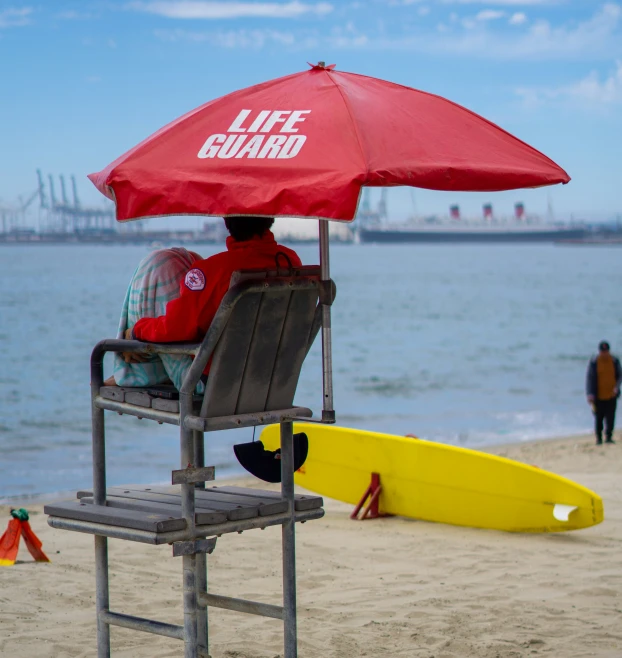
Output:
(301, 501)
(152, 514)
(151, 521)
(146, 537)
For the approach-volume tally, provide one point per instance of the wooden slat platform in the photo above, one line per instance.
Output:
(149, 495)
(201, 517)
(124, 518)
(302, 501)
(158, 508)
(213, 496)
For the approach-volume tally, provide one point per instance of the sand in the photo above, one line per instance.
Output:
(387, 587)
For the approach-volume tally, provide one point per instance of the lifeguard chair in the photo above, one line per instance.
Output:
(257, 343)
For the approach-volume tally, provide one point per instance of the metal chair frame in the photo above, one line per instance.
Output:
(194, 541)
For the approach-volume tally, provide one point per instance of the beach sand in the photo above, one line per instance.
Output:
(387, 587)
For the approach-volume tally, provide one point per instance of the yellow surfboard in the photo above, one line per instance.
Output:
(441, 483)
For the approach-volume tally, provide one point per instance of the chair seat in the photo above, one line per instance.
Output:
(142, 398)
(137, 402)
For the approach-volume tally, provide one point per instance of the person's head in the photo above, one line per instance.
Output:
(246, 228)
(603, 347)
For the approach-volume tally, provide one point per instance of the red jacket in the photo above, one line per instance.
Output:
(188, 317)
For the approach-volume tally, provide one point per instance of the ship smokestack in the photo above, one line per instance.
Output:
(454, 212)
(519, 211)
(487, 209)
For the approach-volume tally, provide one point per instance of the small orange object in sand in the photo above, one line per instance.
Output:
(9, 542)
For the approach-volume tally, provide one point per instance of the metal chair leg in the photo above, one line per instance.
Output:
(102, 591)
(289, 541)
(190, 607)
(201, 586)
(188, 456)
(102, 595)
(201, 559)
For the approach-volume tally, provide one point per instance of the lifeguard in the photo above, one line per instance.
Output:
(175, 294)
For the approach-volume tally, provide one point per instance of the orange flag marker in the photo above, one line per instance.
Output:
(9, 542)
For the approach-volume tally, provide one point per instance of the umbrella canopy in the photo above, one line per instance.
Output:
(304, 145)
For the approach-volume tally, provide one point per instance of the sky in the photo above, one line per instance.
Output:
(82, 82)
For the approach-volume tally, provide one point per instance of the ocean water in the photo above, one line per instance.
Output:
(465, 344)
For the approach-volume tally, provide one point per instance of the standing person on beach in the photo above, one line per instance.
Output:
(604, 376)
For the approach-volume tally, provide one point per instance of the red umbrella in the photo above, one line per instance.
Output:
(304, 145)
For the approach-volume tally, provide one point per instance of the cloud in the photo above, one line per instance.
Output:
(587, 91)
(348, 41)
(518, 18)
(346, 37)
(489, 15)
(505, 3)
(72, 15)
(247, 39)
(498, 3)
(15, 17)
(340, 37)
(593, 39)
(195, 9)
(597, 37)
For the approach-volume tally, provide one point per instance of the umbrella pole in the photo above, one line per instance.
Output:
(328, 413)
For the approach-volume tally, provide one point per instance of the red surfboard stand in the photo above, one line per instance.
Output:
(371, 511)
(9, 542)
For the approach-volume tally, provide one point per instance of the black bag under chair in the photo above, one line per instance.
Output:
(266, 464)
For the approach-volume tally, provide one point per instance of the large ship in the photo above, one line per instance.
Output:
(519, 228)
(484, 234)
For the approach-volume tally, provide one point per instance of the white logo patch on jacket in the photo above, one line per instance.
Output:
(195, 279)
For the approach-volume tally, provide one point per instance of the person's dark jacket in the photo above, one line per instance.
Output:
(591, 380)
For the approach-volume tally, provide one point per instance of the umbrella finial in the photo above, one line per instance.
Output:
(321, 66)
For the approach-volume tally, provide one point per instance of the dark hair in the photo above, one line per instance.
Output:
(603, 346)
(246, 228)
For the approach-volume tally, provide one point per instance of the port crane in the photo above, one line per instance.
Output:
(62, 215)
